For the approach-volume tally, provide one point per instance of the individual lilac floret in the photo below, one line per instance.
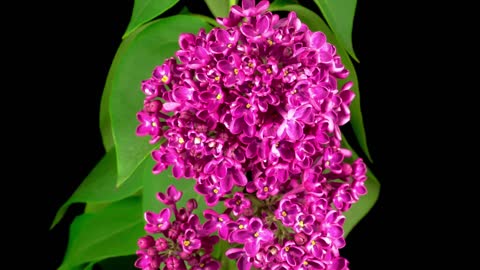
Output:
(238, 203)
(158, 222)
(252, 237)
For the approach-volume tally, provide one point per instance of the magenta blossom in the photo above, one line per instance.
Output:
(157, 222)
(252, 113)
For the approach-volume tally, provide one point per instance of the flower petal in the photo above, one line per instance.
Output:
(294, 129)
(240, 236)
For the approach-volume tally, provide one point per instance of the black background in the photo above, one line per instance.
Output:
(76, 46)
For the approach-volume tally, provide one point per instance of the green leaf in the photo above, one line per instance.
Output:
(356, 118)
(146, 10)
(339, 15)
(219, 8)
(316, 23)
(90, 266)
(148, 49)
(93, 207)
(109, 233)
(361, 208)
(105, 119)
(100, 186)
(78, 267)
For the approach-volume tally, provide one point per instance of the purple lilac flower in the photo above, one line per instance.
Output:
(189, 241)
(171, 197)
(252, 113)
(184, 241)
(252, 237)
(157, 222)
(292, 253)
(238, 203)
(206, 263)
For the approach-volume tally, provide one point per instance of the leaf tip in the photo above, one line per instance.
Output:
(59, 215)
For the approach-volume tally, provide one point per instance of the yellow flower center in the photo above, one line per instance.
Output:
(284, 214)
(215, 190)
(241, 226)
(197, 140)
(265, 189)
(220, 219)
(164, 78)
(219, 96)
(300, 223)
(327, 163)
(154, 124)
(287, 249)
(217, 78)
(256, 234)
(235, 70)
(305, 263)
(238, 202)
(270, 42)
(248, 106)
(294, 91)
(186, 243)
(285, 72)
(250, 64)
(181, 140)
(269, 71)
(313, 243)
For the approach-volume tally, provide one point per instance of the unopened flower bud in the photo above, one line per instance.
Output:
(152, 251)
(192, 205)
(146, 242)
(300, 238)
(153, 106)
(161, 244)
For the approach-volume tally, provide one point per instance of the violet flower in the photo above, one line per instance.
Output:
(252, 237)
(171, 197)
(252, 113)
(157, 222)
(238, 203)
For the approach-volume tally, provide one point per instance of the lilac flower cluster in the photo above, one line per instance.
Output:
(252, 112)
(183, 241)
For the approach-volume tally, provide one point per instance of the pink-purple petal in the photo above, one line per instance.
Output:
(294, 130)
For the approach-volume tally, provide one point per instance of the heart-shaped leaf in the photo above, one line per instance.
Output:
(147, 50)
(339, 15)
(109, 233)
(316, 23)
(146, 10)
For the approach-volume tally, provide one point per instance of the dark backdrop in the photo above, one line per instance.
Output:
(83, 38)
